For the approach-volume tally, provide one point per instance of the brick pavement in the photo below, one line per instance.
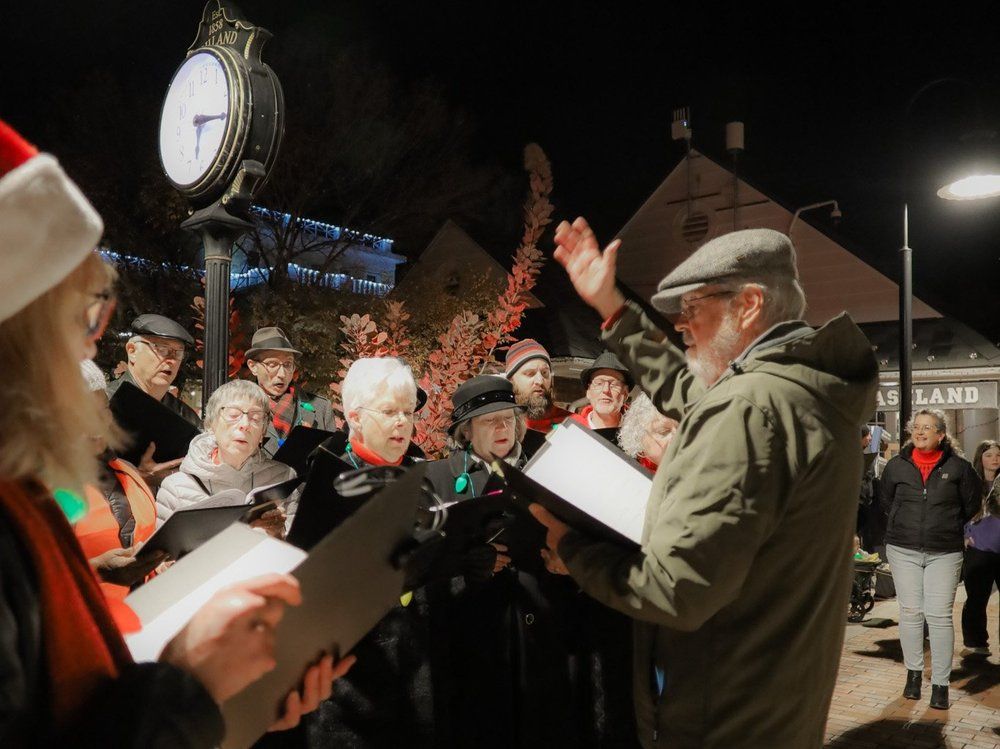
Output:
(868, 709)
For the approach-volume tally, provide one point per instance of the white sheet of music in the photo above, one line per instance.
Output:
(581, 468)
(166, 603)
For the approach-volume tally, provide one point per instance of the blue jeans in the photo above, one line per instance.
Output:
(925, 589)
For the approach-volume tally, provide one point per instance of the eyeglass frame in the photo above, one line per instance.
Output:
(238, 419)
(411, 416)
(271, 370)
(155, 348)
(98, 313)
(492, 421)
(688, 310)
(609, 383)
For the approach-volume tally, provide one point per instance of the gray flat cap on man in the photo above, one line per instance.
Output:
(162, 327)
(733, 256)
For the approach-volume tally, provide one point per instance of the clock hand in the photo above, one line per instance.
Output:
(202, 119)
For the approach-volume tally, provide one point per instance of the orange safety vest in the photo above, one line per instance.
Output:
(98, 530)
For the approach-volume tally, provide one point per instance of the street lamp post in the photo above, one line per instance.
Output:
(981, 179)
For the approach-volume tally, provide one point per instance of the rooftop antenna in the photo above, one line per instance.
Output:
(680, 129)
(735, 146)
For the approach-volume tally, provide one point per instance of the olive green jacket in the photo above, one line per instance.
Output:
(740, 590)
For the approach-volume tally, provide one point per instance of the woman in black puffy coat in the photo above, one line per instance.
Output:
(929, 492)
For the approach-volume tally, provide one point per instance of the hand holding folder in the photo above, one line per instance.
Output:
(348, 582)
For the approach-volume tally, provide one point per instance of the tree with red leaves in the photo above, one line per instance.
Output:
(467, 347)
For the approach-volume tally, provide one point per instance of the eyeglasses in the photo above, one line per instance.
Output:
(273, 365)
(607, 383)
(391, 414)
(98, 313)
(498, 421)
(232, 414)
(921, 428)
(164, 351)
(688, 310)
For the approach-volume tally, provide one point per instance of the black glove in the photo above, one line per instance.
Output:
(129, 571)
(478, 562)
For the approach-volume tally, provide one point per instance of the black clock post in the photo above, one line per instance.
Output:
(220, 158)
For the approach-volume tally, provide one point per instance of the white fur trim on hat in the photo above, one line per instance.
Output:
(47, 227)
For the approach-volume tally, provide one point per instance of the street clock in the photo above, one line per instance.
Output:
(223, 115)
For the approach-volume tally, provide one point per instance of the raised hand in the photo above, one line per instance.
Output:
(591, 271)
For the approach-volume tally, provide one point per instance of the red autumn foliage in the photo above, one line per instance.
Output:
(467, 347)
(238, 339)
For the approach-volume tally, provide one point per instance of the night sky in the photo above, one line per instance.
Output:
(821, 91)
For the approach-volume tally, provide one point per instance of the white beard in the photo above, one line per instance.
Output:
(713, 358)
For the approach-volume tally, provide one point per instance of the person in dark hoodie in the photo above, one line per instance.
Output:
(929, 492)
(758, 469)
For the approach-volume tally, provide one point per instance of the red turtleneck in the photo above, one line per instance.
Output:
(370, 456)
(925, 460)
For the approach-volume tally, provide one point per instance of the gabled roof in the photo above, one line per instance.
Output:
(695, 204)
(455, 262)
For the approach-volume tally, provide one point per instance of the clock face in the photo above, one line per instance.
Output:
(195, 118)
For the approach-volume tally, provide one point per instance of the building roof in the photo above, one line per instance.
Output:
(695, 204)
(455, 262)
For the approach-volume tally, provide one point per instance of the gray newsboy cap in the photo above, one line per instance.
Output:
(740, 254)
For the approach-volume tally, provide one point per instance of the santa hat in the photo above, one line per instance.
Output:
(47, 227)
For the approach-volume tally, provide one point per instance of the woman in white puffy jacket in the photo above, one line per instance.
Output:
(227, 455)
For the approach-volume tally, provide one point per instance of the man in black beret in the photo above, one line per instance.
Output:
(272, 360)
(154, 354)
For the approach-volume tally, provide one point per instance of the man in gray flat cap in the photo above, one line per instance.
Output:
(726, 652)
(154, 355)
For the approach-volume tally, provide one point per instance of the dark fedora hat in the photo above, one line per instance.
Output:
(607, 360)
(270, 339)
(479, 396)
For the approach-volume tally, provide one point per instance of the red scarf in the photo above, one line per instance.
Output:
(283, 412)
(371, 457)
(925, 460)
(81, 645)
(552, 417)
(647, 463)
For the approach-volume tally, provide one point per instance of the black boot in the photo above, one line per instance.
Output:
(912, 689)
(939, 696)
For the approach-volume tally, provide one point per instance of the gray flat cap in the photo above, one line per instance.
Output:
(162, 327)
(737, 255)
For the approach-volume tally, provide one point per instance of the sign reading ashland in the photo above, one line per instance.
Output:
(943, 395)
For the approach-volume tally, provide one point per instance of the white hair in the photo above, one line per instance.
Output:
(232, 392)
(784, 298)
(635, 424)
(92, 375)
(368, 378)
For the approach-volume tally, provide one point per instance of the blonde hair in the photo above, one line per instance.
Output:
(46, 411)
